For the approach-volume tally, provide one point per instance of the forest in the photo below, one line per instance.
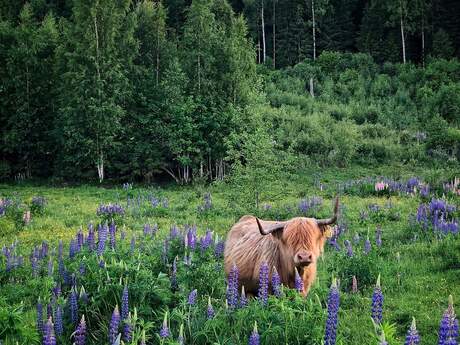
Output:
(180, 90)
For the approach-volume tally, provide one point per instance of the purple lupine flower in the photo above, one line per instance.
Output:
(298, 281)
(412, 337)
(333, 303)
(114, 324)
(263, 283)
(164, 331)
(354, 285)
(349, 248)
(101, 238)
(127, 329)
(58, 326)
(173, 277)
(276, 283)
(191, 238)
(44, 250)
(73, 306)
(174, 232)
(48, 333)
(205, 242)
(378, 236)
(113, 233)
(219, 249)
(147, 229)
(448, 328)
(243, 298)
(232, 291)
(80, 332)
(72, 248)
(39, 316)
(57, 290)
(254, 339)
(90, 240)
(192, 297)
(367, 246)
(377, 302)
(110, 210)
(125, 303)
(210, 310)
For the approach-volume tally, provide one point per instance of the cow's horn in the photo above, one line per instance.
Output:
(270, 228)
(333, 219)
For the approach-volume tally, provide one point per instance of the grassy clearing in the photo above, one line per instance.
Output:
(418, 270)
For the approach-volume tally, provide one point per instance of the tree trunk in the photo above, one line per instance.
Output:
(313, 27)
(312, 92)
(274, 34)
(263, 33)
(158, 55)
(402, 35)
(423, 44)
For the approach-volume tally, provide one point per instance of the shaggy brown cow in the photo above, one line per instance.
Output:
(296, 243)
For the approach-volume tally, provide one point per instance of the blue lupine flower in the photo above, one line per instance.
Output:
(377, 303)
(412, 337)
(232, 291)
(263, 283)
(192, 297)
(276, 283)
(48, 333)
(80, 332)
(243, 298)
(114, 325)
(164, 332)
(219, 249)
(210, 310)
(127, 330)
(448, 328)
(101, 238)
(367, 246)
(112, 232)
(125, 303)
(73, 305)
(298, 281)
(333, 303)
(254, 339)
(58, 326)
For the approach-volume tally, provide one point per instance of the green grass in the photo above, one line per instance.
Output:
(421, 291)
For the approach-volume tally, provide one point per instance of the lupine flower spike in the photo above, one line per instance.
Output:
(192, 297)
(124, 303)
(210, 310)
(333, 303)
(114, 325)
(164, 332)
(448, 328)
(263, 283)
(298, 281)
(254, 339)
(276, 283)
(412, 337)
(48, 333)
(377, 302)
(243, 299)
(80, 332)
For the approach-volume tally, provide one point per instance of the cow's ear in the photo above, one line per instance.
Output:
(278, 234)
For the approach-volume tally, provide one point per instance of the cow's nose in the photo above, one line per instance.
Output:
(304, 257)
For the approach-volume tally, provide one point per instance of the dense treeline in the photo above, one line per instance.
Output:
(140, 89)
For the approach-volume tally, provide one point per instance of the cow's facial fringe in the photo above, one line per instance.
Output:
(304, 234)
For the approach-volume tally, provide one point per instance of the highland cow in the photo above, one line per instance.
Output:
(284, 246)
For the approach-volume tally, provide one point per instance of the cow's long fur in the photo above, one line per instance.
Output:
(248, 249)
